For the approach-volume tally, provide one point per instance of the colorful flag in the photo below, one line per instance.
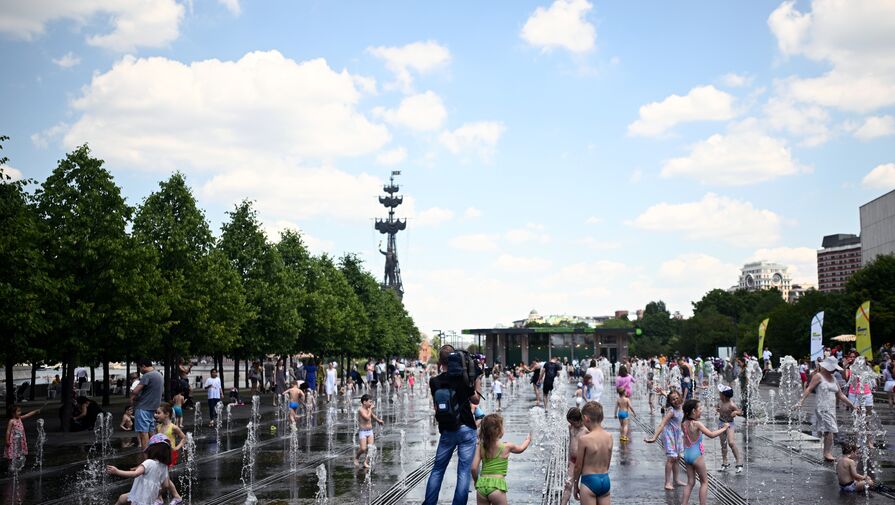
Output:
(862, 331)
(762, 328)
(817, 337)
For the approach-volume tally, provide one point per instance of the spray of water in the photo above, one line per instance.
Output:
(41, 440)
(321, 498)
(188, 477)
(248, 462)
(218, 411)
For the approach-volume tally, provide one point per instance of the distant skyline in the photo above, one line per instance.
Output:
(571, 156)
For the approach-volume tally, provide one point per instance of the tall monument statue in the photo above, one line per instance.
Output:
(391, 227)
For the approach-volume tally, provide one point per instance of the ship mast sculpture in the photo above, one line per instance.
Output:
(391, 226)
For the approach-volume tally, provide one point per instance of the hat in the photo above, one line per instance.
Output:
(724, 387)
(830, 364)
(158, 438)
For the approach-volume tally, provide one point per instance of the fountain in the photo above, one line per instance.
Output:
(321, 497)
(790, 392)
(91, 483)
(248, 462)
(229, 415)
(866, 427)
(754, 410)
(403, 475)
(187, 479)
(218, 411)
(293, 447)
(41, 440)
(197, 417)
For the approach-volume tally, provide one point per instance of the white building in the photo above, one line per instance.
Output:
(765, 275)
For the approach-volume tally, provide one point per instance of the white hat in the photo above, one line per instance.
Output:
(724, 387)
(830, 364)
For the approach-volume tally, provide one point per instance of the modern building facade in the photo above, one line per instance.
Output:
(878, 227)
(765, 275)
(511, 346)
(838, 258)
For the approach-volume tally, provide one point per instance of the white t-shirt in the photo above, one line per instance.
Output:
(401, 367)
(766, 355)
(497, 387)
(146, 487)
(214, 391)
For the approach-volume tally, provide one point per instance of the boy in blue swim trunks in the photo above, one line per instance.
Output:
(296, 398)
(593, 458)
(623, 408)
(365, 417)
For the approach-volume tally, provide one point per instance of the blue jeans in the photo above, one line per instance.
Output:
(464, 440)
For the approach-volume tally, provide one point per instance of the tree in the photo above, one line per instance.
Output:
(874, 282)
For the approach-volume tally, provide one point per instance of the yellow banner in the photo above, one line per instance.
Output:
(763, 327)
(862, 331)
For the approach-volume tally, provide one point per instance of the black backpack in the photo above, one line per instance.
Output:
(461, 364)
(447, 408)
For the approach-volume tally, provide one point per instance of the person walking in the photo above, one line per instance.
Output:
(456, 426)
(146, 398)
(213, 386)
(825, 410)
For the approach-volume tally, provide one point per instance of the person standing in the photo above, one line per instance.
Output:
(269, 380)
(456, 426)
(330, 384)
(551, 371)
(146, 398)
(825, 410)
(596, 379)
(213, 386)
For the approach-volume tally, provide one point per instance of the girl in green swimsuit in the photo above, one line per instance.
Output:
(493, 454)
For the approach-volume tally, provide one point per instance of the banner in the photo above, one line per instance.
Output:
(817, 337)
(763, 327)
(862, 331)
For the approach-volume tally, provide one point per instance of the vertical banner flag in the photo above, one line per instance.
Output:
(862, 331)
(763, 327)
(817, 337)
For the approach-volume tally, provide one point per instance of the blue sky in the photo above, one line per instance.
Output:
(573, 157)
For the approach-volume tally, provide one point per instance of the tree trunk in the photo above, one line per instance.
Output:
(246, 373)
(169, 369)
(33, 381)
(127, 378)
(220, 367)
(105, 382)
(68, 380)
(92, 379)
(10, 387)
(236, 373)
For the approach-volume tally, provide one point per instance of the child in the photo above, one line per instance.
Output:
(411, 380)
(672, 439)
(163, 416)
(623, 408)
(296, 398)
(477, 413)
(850, 481)
(593, 458)
(16, 444)
(497, 389)
(576, 431)
(177, 404)
(693, 450)
(365, 417)
(151, 475)
(493, 454)
(127, 419)
(727, 411)
(650, 384)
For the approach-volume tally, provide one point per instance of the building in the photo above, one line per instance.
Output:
(837, 259)
(621, 314)
(765, 275)
(797, 291)
(512, 346)
(878, 227)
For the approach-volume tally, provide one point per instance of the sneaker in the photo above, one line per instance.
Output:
(724, 467)
(158, 501)
(739, 468)
(176, 501)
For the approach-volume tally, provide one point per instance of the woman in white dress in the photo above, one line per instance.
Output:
(828, 392)
(597, 378)
(330, 383)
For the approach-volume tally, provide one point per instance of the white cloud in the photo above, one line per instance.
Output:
(264, 108)
(479, 138)
(433, 216)
(133, 23)
(636, 176)
(593, 220)
(472, 213)
(698, 272)
(702, 103)
(232, 6)
(734, 159)
(856, 38)
(882, 177)
(392, 156)
(422, 112)
(476, 242)
(562, 25)
(806, 121)
(531, 233)
(418, 57)
(42, 139)
(588, 273)
(599, 244)
(733, 80)
(314, 245)
(802, 261)
(714, 218)
(521, 264)
(14, 174)
(68, 60)
(875, 127)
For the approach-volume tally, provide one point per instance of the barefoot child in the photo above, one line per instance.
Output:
(177, 404)
(127, 419)
(166, 427)
(593, 458)
(850, 480)
(296, 398)
(727, 411)
(497, 389)
(16, 444)
(576, 431)
(623, 408)
(365, 417)
(672, 438)
(150, 476)
(493, 455)
(693, 450)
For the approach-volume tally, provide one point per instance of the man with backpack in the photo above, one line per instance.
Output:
(551, 371)
(452, 389)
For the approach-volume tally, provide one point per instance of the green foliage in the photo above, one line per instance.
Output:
(875, 282)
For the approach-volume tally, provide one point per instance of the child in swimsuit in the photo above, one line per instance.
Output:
(693, 450)
(296, 397)
(850, 481)
(164, 416)
(177, 404)
(493, 455)
(623, 408)
(727, 411)
(576, 431)
(593, 458)
(365, 417)
(670, 429)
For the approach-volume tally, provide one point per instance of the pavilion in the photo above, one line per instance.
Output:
(510, 346)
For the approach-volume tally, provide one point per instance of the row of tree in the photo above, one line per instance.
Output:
(87, 279)
(722, 318)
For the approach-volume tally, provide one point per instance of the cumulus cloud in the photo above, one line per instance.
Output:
(588, 273)
(714, 217)
(274, 229)
(433, 216)
(563, 25)
(422, 112)
(392, 156)
(477, 138)
(472, 213)
(881, 177)
(475, 242)
(68, 60)
(810, 122)
(857, 39)
(522, 264)
(875, 127)
(532, 232)
(593, 220)
(733, 80)
(738, 158)
(802, 261)
(43, 138)
(232, 6)
(417, 57)
(133, 23)
(702, 103)
(698, 272)
(14, 174)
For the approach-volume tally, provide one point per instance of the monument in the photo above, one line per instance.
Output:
(391, 226)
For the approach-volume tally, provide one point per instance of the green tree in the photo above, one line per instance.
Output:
(874, 282)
